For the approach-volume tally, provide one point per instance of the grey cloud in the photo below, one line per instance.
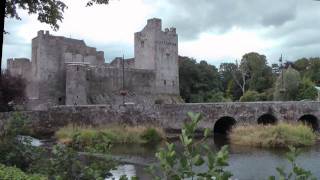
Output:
(193, 17)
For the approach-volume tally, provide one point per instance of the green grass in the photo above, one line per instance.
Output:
(280, 135)
(115, 134)
(10, 173)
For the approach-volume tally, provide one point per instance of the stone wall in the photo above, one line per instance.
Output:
(88, 84)
(158, 50)
(49, 54)
(67, 71)
(167, 116)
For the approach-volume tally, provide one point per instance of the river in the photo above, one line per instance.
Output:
(245, 163)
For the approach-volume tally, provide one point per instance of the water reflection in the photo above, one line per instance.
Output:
(244, 162)
(128, 170)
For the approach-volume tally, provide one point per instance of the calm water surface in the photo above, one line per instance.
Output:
(244, 162)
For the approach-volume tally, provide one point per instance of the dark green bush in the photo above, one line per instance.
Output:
(151, 136)
(17, 151)
(11, 173)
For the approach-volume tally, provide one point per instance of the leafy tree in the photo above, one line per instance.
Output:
(258, 73)
(197, 80)
(226, 70)
(307, 90)
(48, 11)
(288, 89)
(240, 77)
(309, 68)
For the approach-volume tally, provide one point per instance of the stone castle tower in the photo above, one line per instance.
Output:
(65, 71)
(157, 50)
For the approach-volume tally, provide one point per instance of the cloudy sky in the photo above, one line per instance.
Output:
(213, 30)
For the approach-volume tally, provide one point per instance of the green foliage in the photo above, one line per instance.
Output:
(16, 150)
(182, 166)
(259, 74)
(90, 141)
(197, 80)
(307, 90)
(10, 173)
(100, 139)
(297, 172)
(65, 164)
(288, 88)
(309, 68)
(151, 136)
(216, 97)
(280, 135)
(250, 96)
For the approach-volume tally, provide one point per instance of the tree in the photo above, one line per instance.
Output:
(197, 80)
(307, 90)
(288, 88)
(240, 77)
(48, 11)
(258, 73)
(309, 68)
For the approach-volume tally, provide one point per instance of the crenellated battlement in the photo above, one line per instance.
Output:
(65, 71)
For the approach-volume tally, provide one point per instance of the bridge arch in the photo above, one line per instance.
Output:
(267, 119)
(310, 120)
(223, 125)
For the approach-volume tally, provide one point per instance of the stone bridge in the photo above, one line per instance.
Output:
(218, 116)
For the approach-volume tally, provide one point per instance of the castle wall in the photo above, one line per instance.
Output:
(49, 54)
(19, 67)
(103, 84)
(67, 71)
(158, 50)
(76, 84)
(167, 70)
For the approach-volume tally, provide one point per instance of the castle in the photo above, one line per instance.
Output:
(65, 71)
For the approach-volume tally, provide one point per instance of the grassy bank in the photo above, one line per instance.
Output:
(280, 135)
(115, 134)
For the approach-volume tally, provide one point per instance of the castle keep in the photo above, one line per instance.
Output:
(65, 71)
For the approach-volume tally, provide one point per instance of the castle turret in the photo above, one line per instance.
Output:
(158, 50)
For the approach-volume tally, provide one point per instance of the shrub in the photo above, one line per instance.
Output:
(307, 90)
(90, 138)
(251, 96)
(151, 136)
(182, 166)
(15, 151)
(10, 173)
(65, 163)
(280, 135)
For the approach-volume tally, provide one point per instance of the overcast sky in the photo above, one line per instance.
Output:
(212, 30)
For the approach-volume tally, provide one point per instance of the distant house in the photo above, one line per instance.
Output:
(318, 88)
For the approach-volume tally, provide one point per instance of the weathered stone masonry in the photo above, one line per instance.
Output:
(65, 71)
(169, 116)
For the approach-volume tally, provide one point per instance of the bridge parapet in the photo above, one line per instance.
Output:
(172, 116)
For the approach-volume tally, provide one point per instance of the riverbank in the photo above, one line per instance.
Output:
(272, 136)
(87, 136)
